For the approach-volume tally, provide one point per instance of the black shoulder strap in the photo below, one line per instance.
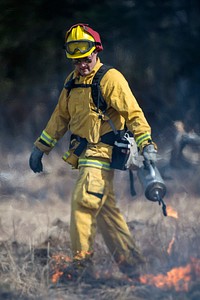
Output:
(97, 97)
(96, 89)
(70, 84)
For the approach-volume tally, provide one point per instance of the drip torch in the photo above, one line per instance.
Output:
(152, 184)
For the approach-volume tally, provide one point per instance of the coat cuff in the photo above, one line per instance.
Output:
(45, 142)
(144, 140)
(42, 147)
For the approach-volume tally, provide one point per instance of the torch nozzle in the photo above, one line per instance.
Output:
(161, 201)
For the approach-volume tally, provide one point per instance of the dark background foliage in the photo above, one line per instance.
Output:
(154, 43)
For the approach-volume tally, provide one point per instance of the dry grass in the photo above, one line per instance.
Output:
(34, 221)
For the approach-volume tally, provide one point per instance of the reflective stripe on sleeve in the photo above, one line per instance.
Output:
(48, 139)
(139, 140)
(66, 155)
(84, 162)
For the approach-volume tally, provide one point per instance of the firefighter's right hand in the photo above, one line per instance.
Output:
(150, 153)
(35, 160)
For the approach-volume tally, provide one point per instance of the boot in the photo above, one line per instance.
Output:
(133, 270)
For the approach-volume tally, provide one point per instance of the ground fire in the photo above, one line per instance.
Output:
(178, 278)
(171, 243)
(58, 264)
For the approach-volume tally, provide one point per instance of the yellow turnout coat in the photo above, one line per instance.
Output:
(77, 112)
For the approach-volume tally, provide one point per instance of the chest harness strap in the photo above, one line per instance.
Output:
(101, 106)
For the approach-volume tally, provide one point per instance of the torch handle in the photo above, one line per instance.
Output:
(150, 166)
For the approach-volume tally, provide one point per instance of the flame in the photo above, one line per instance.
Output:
(82, 255)
(56, 276)
(177, 278)
(171, 243)
(171, 212)
(58, 263)
(59, 258)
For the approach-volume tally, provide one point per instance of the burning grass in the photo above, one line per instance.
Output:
(34, 238)
(179, 278)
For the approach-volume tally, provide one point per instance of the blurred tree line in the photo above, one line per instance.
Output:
(154, 43)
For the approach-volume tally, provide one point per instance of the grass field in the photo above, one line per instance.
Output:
(34, 230)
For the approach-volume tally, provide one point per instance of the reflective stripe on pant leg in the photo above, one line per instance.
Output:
(117, 236)
(87, 200)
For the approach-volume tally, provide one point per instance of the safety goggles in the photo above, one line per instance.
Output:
(82, 46)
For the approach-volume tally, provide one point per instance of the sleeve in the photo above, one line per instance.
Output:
(56, 126)
(120, 97)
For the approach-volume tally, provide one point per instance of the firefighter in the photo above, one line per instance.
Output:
(93, 201)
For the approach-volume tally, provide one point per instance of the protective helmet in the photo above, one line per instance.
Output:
(81, 41)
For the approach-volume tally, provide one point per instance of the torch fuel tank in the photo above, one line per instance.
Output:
(152, 183)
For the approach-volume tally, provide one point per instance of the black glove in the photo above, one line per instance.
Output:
(149, 153)
(35, 160)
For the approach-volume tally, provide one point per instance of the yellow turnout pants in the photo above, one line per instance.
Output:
(93, 204)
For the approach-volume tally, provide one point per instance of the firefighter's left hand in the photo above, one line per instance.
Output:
(149, 153)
